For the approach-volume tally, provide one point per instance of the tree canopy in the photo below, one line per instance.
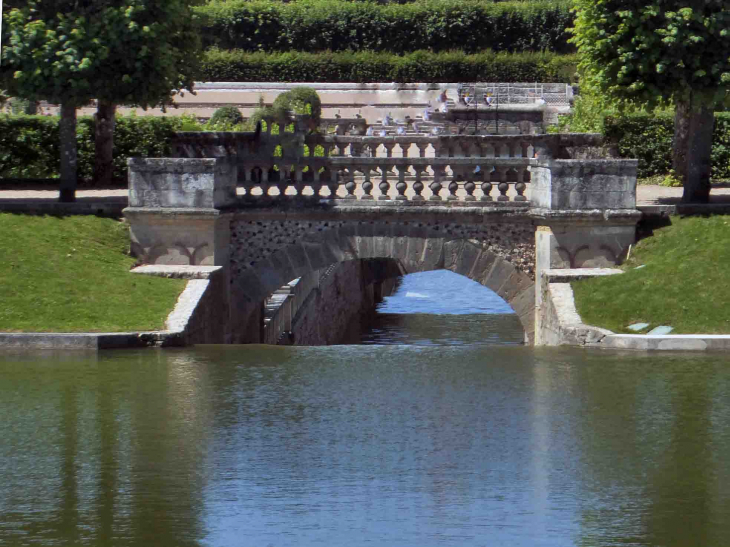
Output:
(654, 51)
(662, 51)
(137, 52)
(69, 52)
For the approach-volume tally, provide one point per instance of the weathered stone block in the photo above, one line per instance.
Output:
(182, 182)
(584, 184)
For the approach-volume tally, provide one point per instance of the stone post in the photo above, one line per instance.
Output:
(176, 210)
(586, 215)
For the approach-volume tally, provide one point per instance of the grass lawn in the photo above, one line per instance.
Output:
(685, 282)
(71, 274)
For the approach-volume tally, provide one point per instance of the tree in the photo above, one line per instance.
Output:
(136, 52)
(661, 51)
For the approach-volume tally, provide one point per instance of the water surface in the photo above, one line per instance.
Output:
(430, 440)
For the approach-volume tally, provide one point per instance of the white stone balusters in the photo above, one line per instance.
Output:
(520, 187)
(453, 184)
(350, 185)
(503, 186)
(418, 184)
(333, 183)
(384, 185)
(401, 185)
(316, 180)
(469, 185)
(299, 180)
(285, 176)
(486, 185)
(438, 175)
(367, 185)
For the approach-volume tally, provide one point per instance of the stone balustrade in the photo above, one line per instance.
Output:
(477, 168)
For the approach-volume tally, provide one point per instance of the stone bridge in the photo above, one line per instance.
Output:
(269, 209)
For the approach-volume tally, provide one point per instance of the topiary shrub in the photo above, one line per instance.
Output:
(227, 116)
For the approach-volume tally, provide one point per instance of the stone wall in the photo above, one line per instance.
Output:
(341, 307)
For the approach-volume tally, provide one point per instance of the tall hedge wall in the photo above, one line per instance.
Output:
(338, 25)
(420, 66)
(649, 138)
(29, 145)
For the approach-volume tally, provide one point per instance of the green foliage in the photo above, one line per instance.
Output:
(685, 282)
(649, 138)
(227, 115)
(29, 145)
(649, 52)
(76, 270)
(136, 52)
(419, 66)
(435, 25)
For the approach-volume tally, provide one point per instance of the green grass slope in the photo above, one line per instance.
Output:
(685, 282)
(71, 274)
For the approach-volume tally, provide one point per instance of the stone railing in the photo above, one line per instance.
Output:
(482, 168)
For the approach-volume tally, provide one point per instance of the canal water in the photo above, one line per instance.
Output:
(439, 430)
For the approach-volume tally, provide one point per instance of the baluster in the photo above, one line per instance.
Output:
(418, 184)
(317, 181)
(438, 173)
(350, 185)
(283, 183)
(389, 149)
(401, 185)
(469, 186)
(503, 186)
(524, 145)
(299, 180)
(487, 184)
(356, 149)
(521, 186)
(333, 184)
(422, 147)
(512, 147)
(454, 185)
(367, 185)
(404, 148)
(384, 184)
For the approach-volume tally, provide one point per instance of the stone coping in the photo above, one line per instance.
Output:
(577, 333)
(30, 341)
(676, 342)
(177, 272)
(176, 323)
(355, 86)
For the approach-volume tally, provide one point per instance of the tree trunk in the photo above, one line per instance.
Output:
(32, 108)
(68, 153)
(693, 126)
(104, 143)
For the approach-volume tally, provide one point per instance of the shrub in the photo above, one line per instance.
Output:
(436, 25)
(228, 115)
(649, 137)
(29, 145)
(419, 66)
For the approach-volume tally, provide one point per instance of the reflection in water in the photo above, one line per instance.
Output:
(443, 308)
(447, 435)
(392, 445)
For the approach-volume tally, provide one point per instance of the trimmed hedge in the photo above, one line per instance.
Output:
(649, 138)
(435, 25)
(29, 145)
(363, 67)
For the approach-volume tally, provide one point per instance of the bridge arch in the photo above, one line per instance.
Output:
(271, 249)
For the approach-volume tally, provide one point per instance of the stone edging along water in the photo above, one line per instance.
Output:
(567, 327)
(180, 324)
